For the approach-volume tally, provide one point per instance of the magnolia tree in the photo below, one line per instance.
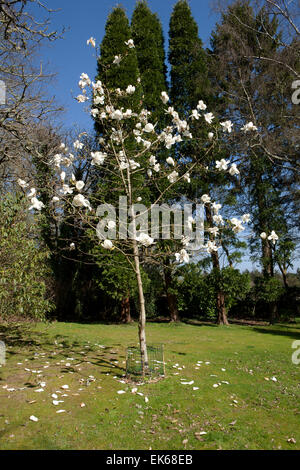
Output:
(136, 174)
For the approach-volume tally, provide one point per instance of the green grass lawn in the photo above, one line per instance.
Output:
(248, 412)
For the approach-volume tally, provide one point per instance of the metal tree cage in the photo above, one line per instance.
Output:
(156, 365)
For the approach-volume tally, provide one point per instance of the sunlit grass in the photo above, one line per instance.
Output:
(248, 412)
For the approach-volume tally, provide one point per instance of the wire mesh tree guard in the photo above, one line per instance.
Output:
(156, 363)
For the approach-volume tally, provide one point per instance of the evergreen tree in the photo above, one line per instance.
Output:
(117, 33)
(149, 43)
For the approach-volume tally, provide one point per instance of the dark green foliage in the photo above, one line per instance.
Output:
(187, 59)
(149, 42)
(117, 32)
(25, 276)
(197, 291)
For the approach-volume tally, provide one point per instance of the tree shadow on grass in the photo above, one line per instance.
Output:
(21, 336)
(199, 323)
(275, 332)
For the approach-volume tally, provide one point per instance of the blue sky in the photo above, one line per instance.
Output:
(71, 56)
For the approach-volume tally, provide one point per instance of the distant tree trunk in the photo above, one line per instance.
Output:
(284, 275)
(125, 310)
(171, 298)
(221, 308)
(273, 312)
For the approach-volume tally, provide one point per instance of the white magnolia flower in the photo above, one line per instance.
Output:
(107, 244)
(117, 59)
(72, 246)
(31, 193)
(130, 89)
(57, 159)
(22, 183)
(99, 100)
(144, 239)
(84, 80)
(172, 177)
(133, 164)
(274, 237)
(201, 105)
(210, 135)
(165, 98)
(55, 199)
(94, 112)
(227, 126)
(80, 201)
(246, 218)
(182, 256)
(233, 170)
(36, 204)
(185, 240)
(149, 127)
(249, 127)
(263, 235)
(152, 160)
(216, 207)
(79, 185)
(117, 114)
(139, 199)
(214, 231)
(82, 98)
(77, 145)
(190, 222)
(129, 43)
(128, 113)
(66, 189)
(170, 161)
(63, 176)
(237, 225)
(187, 177)
(222, 164)
(98, 158)
(208, 117)
(195, 114)
(205, 198)
(156, 167)
(211, 246)
(91, 41)
(218, 219)
(149, 173)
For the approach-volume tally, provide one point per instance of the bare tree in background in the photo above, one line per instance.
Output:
(24, 103)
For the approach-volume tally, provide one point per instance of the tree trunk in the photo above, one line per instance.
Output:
(221, 308)
(171, 298)
(125, 310)
(273, 312)
(142, 316)
(284, 275)
(222, 316)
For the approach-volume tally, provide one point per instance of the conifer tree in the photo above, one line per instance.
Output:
(149, 43)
